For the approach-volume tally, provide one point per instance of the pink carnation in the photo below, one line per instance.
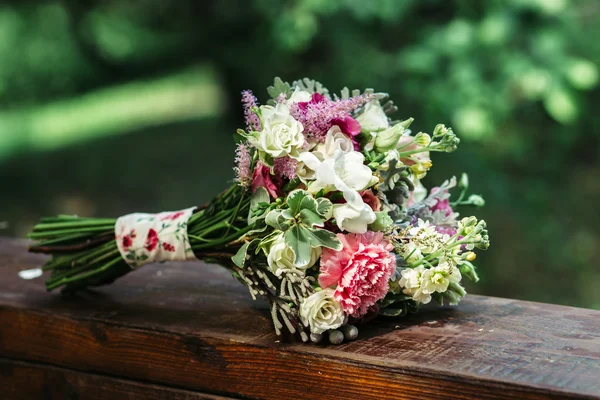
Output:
(262, 177)
(361, 271)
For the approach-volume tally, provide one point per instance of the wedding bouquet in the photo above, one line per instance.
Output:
(327, 218)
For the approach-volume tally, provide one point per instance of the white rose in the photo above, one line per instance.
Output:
(321, 312)
(281, 258)
(373, 118)
(353, 220)
(300, 96)
(281, 135)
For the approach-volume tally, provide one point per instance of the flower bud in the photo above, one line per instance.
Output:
(406, 123)
(470, 256)
(463, 183)
(452, 297)
(476, 200)
(422, 139)
(440, 130)
(387, 140)
(467, 269)
(382, 221)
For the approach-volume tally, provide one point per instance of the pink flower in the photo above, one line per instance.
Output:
(350, 127)
(371, 200)
(243, 160)
(442, 205)
(285, 166)
(318, 114)
(249, 101)
(361, 271)
(262, 177)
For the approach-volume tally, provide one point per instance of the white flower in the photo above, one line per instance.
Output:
(411, 281)
(281, 135)
(420, 192)
(353, 220)
(420, 282)
(334, 140)
(411, 277)
(423, 228)
(321, 311)
(300, 96)
(411, 252)
(373, 118)
(344, 172)
(281, 258)
(438, 278)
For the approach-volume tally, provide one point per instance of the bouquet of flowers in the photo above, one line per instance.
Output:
(327, 218)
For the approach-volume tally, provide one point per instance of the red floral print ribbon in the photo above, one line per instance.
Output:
(145, 238)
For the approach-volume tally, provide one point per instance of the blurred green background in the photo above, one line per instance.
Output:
(109, 107)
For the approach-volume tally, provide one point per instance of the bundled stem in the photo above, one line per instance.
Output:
(85, 253)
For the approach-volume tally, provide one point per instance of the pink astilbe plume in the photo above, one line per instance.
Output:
(285, 166)
(243, 161)
(249, 101)
(317, 115)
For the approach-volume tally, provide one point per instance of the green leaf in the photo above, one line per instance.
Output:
(278, 88)
(279, 219)
(298, 239)
(301, 238)
(265, 243)
(240, 257)
(300, 199)
(260, 195)
(266, 159)
(324, 208)
(310, 218)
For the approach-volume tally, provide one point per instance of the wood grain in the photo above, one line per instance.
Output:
(192, 326)
(21, 380)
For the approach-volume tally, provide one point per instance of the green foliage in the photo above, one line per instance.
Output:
(302, 222)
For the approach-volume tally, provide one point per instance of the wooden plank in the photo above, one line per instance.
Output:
(21, 380)
(193, 326)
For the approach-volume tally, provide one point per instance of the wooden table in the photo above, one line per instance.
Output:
(190, 331)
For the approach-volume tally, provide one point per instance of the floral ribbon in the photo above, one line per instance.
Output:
(146, 238)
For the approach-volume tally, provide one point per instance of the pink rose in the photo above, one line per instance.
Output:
(361, 271)
(371, 200)
(262, 177)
